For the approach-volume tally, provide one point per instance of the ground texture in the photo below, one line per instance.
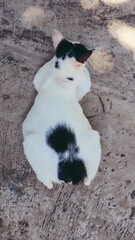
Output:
(106, 209)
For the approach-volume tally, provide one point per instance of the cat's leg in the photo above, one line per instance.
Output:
(93, 156)
(40, 159)
(84, 84)
(41, 75)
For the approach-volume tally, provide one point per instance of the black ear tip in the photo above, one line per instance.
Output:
(87, 54)
(90, 51)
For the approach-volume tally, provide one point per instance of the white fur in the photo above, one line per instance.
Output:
(83, 85)
(57, 103)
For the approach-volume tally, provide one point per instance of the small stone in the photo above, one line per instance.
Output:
(133, 194)
(23, 223)
(1, 222)
(25, 69)
(5, 96)
(127, 181)
(122, 155)
(108, 154)
(132, 212)
(133, 75)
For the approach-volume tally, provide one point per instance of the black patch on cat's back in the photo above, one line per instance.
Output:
(60, 138)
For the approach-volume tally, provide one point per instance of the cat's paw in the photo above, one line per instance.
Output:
(87, 181)
(47, 183)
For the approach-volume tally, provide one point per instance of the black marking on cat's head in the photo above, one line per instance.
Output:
(57, 65)
(81, 53)
(72, 170)
(61, 138)
(76, 50)
(69, 78)
(63, 48)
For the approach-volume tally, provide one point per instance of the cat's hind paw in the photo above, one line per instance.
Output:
(47, 183)
(87, 181)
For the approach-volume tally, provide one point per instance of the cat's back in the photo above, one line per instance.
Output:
(53, 107)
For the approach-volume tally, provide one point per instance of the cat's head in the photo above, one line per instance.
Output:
(70, 56)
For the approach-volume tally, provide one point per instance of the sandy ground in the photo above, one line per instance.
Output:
(106, 209)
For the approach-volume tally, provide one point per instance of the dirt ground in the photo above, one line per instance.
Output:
(106, 209)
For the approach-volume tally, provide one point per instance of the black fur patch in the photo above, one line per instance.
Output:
(60, 138)
(79, 51)
(69, 78)
(70, 169)
(63, 48)
(57, 64)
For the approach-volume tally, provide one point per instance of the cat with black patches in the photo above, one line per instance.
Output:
(59, 142)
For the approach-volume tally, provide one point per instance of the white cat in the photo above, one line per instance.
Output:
(59, 142)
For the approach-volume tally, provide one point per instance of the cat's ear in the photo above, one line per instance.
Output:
(56, 37)
(82, 58)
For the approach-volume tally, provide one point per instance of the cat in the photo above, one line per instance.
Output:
(59, 142)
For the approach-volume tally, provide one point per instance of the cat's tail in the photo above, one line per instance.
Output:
(70, 167)
(72, 170)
